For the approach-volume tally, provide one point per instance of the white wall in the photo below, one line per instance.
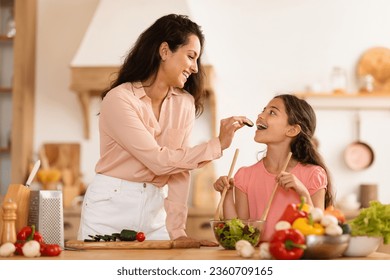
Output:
(258, 49)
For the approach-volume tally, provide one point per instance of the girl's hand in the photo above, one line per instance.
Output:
(222, 182)
(289, 181)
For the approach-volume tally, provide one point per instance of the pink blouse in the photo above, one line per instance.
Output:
(137, 147)
(258, 185)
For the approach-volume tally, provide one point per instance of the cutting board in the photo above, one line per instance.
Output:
(147, 244)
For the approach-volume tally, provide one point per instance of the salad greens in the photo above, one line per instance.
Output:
(230, 231)
(373, 221)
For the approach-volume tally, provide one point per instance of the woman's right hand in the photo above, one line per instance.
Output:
(227, 129)
(222, 182)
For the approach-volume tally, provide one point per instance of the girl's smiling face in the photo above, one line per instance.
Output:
(272, 123)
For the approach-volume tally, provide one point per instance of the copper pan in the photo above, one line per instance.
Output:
(359, 155)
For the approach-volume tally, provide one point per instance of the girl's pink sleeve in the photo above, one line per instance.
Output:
(318, 180)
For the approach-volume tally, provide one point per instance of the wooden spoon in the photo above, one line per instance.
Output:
(265, 213)
(219, 212)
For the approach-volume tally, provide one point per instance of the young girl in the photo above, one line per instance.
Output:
(286, 125)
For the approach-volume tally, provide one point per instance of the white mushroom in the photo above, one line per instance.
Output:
(31, 249)
(244, 249)
(317, 214)
(7, 249)
(264, 251)
(333, 230)
(282, 225)
(329, 220)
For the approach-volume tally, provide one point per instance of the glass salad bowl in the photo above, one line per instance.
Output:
(228, 232)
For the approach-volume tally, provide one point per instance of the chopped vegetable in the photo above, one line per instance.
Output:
(124, 235)
(373, 221)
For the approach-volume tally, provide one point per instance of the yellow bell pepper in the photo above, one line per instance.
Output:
(307, 227)
(304, 206)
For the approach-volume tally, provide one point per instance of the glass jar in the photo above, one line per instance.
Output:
(338, 80)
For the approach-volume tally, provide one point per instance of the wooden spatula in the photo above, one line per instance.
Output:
(265, 213)
(219, 212)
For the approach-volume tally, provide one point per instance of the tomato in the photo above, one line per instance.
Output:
(140, 236)
(52, 250)
(18, 245)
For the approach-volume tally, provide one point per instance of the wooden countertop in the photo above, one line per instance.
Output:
(203, 253)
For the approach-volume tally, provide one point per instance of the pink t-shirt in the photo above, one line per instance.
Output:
(258, 184)
(137, 147)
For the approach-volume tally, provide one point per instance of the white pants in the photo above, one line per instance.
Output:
(111, 204)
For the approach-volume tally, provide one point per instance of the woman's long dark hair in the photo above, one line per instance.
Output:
(144, 59)
(302, 146)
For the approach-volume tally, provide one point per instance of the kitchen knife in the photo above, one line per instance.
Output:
(33, 173)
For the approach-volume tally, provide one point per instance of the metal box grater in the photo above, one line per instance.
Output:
(46, 213)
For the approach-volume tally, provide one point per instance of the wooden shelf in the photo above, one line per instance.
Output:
(5, 150)
(343, 95)
(5, 90)
(348, 101)
(4, 38)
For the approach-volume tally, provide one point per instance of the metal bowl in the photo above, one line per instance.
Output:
(325, 246)
(227, 236)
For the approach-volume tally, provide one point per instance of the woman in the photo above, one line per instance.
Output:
(146, 117)
(287, 124)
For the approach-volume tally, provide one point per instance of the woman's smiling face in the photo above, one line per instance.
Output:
(179, 65)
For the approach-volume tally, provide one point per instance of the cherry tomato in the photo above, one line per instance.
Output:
(140, 236)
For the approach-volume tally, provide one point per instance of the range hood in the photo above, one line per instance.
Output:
(112, 31)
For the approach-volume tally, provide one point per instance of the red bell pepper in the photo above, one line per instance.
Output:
(29, 233)
(287, 244)
(294, 211)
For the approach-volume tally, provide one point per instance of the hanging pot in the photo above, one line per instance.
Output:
(358, 155)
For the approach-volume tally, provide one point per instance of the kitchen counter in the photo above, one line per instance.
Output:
(203, 253)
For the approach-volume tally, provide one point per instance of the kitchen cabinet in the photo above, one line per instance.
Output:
(17, 84)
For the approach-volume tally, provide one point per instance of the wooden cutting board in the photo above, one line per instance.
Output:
(147, 244)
